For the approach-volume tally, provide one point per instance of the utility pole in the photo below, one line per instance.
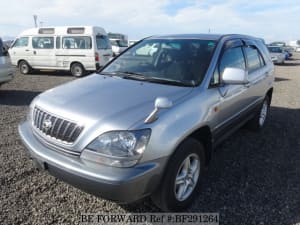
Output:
(35, 20)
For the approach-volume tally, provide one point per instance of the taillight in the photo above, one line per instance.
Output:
(96, 56)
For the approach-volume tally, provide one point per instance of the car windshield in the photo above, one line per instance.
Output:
(170, 61)
(275, 49)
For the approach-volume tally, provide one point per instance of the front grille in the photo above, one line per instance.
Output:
(55, 127)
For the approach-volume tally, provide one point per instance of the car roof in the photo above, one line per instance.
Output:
(214, 37)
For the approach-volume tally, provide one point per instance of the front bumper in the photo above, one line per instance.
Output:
(123, 185)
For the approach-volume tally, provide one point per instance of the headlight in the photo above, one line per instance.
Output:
(30, 110)
(118, 148)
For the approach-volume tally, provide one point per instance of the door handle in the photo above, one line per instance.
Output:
(248, 85)
(34, 52)
(27, 50)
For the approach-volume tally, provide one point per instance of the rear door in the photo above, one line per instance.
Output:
(76, 48)
(258, 73)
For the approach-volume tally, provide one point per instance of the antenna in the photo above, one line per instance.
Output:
(35, 20)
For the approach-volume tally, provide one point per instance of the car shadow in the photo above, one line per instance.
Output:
(287, 63)
(54, 73)
(17, 97)
(253, 177)
(279, 79)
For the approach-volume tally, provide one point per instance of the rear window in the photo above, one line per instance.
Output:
(254, 59)
(103, 42)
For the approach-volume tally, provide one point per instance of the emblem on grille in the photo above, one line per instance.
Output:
(47, 124)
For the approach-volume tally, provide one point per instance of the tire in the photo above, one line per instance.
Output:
(259, 121)
(24, 67)
(77, 70)
(176, 197)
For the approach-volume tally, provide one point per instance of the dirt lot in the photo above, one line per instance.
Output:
(254, 178)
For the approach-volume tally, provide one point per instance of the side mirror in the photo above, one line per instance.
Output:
(160, 103)
(5, 52)
(234, 76)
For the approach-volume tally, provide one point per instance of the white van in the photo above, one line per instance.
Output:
(78, 49)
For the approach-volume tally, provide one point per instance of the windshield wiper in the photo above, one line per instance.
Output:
(169, 81)
(141, 77)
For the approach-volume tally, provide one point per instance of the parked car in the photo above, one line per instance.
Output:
(278, 43)
(77, 49)
(147, 124)
(277, 54)
(132, 42)
(118, 46)
(289, 51)
(6, 70)
(295, 44)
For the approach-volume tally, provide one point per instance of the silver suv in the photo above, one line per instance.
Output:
(148, 122)
(6, 70)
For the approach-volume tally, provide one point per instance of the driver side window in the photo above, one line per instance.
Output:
(232, 57)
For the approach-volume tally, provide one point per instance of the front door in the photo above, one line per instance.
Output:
(233, 98)
(21, 50)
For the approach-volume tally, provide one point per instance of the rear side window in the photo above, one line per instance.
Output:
(21, 42)
(43, 42)
(254, 59)
(103, 42)
(232, 57)
(77, 42)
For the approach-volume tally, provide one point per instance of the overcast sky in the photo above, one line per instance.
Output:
(269, 19)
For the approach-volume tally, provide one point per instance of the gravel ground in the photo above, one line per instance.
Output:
(254, 178)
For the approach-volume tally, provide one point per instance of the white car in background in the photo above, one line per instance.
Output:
(277, 54)
(132, 42)
(6, 70)
(77, 49)
(118, 46)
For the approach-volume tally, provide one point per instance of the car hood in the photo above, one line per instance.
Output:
(113, 102)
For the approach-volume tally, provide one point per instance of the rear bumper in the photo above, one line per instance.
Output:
(123, 185)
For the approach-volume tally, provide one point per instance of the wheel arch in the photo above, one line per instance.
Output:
(73, 62)
(204, 136)
(21, 60)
